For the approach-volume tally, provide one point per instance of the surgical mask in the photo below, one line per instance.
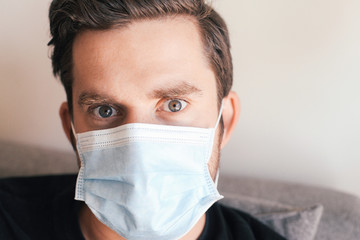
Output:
(147, 181)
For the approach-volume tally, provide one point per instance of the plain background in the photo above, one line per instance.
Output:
(297, 72)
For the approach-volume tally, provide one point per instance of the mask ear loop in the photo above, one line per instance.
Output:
(73, 131)
(216, 125)
(217, 178)
(220, 114)
(75, 144)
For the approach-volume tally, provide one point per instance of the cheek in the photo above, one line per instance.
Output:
(206, 113)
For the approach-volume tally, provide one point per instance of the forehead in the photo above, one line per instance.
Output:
(165, 48)
(152, 38)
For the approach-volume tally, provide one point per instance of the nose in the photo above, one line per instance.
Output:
(140, 115)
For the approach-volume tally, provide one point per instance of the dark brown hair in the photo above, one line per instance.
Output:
(69, 17)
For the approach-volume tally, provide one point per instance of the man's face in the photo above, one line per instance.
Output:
(152, 71)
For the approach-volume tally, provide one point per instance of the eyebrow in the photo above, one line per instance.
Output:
(88, 98)
(180, 89)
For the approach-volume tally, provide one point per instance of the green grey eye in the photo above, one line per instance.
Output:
(105, 111)
(175, 105)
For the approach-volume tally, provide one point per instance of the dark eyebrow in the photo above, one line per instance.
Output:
(88, 98)
(180, 89)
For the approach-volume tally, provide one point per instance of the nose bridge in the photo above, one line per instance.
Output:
(139, 115)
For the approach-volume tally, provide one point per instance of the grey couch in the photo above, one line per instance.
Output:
(296, 211)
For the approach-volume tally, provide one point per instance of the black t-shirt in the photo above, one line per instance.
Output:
(44, 208)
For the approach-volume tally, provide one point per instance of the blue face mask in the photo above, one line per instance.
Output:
(147, 181)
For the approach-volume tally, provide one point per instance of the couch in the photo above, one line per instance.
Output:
(296, 211)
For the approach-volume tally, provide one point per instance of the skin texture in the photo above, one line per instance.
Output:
(134, 73)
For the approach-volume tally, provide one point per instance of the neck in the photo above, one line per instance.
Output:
(93, 229)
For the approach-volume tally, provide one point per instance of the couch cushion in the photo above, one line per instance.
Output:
(24, 160)
(341, 216)
(294, 223)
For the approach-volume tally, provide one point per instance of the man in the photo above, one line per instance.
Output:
(148, 109)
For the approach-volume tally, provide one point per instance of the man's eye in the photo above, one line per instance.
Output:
(104, 111)
(174, 105)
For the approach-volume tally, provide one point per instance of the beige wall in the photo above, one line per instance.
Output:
(297, 71)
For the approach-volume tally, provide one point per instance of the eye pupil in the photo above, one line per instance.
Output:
(175, 105)
(105, 111)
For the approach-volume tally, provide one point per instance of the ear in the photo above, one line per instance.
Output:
(230, 115)
(65, 119)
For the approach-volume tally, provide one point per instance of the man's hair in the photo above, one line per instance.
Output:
(69, 17)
